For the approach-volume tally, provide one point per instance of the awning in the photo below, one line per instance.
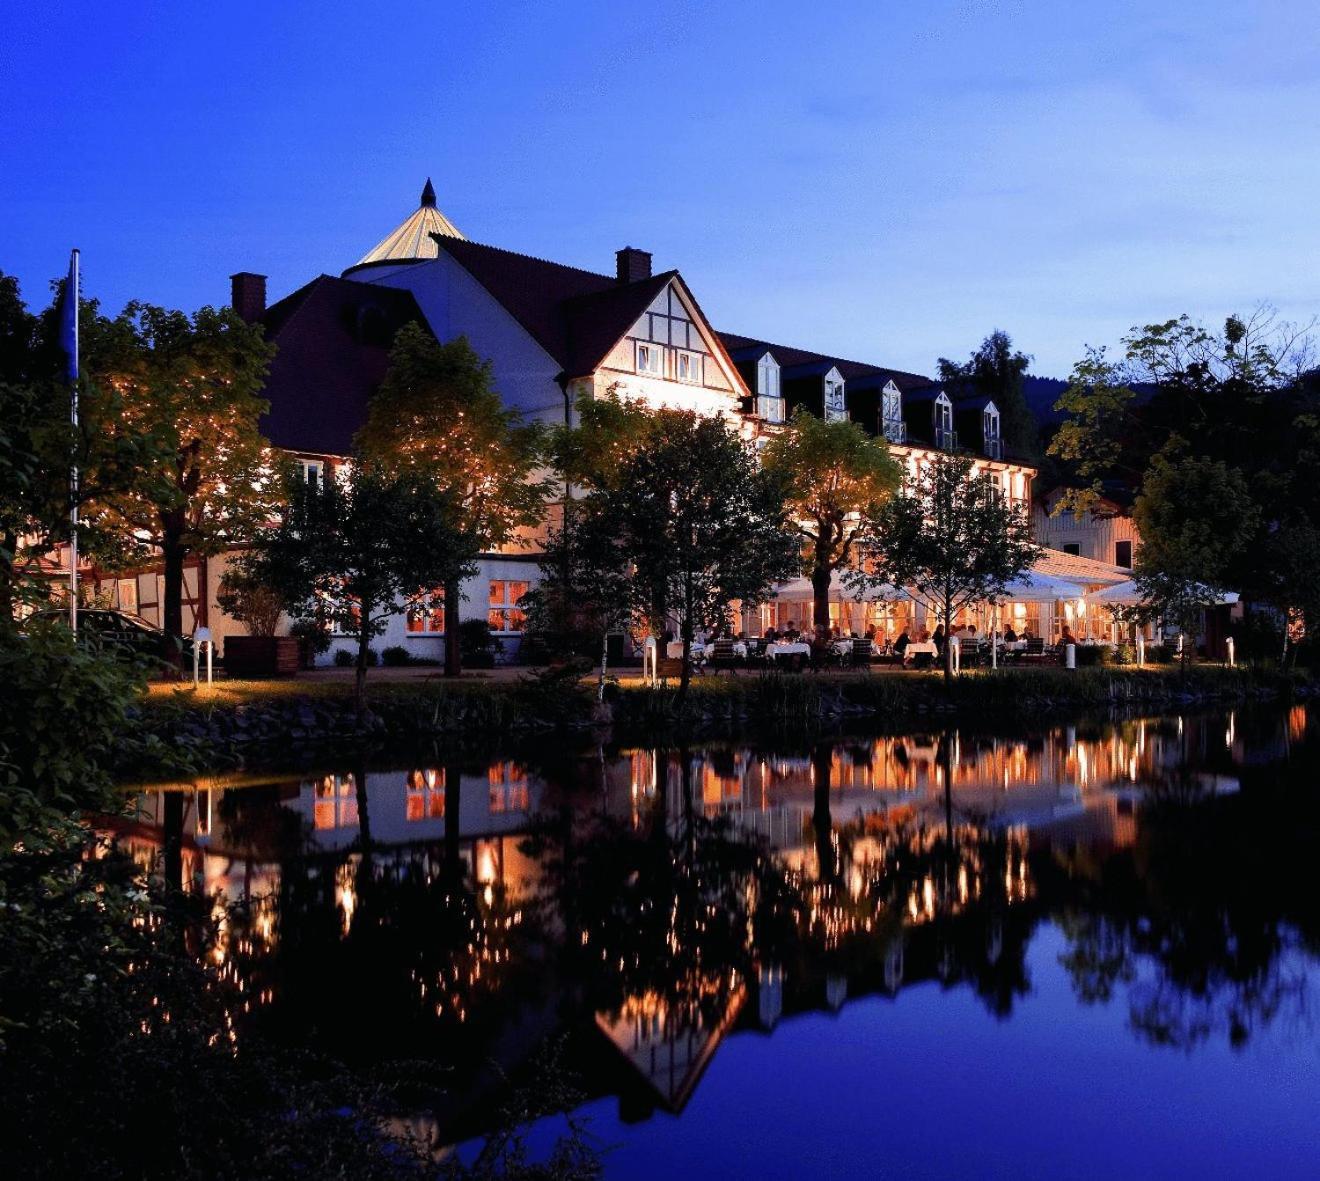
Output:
(798, 590)
(1126, 594)
(1040, 588)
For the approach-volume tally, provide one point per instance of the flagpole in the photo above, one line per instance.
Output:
(73, 470)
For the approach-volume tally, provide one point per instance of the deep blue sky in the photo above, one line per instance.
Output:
(884, 180)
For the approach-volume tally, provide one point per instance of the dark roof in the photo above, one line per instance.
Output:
(596, 323)
(577, 316)
(332, 339)
(746, 348)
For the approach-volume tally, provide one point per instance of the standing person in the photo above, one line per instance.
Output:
(939, 639)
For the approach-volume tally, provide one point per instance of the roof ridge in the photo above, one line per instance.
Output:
(550, 262)
(772, 345)
(635, 286)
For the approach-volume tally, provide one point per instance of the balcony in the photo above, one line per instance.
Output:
(946, 438)
(994, 447)
(894, 429)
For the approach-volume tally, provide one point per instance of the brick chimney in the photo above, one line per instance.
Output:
(633, 265)
(248, 295)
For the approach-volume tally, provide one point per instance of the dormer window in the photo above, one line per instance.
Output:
(689, 367)
(990, 431)
(313, 474)
(769, 403)
(891, 414)
(650, 359)
(945, 436)
(836, 409)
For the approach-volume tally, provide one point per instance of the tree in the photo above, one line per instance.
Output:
(951, 538)
(1244, 396)
(356, 552)
(437, 413)
(194, 383)
(836, 477)
(692, 524)
(578, 602)
(995, 370)
(1196, 519)
(39, 445)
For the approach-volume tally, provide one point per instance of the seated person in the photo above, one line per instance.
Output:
(1067, 637)
(1010, 636)
(900, 644)
(771, 635)
(938, 639)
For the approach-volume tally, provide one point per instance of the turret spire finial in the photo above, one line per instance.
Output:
(428, 194)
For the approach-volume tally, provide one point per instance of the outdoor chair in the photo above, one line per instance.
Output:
(861, 653)
(723, 656)
(1035, 650)
(825, 655)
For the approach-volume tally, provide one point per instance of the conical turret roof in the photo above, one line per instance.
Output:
(412, 240)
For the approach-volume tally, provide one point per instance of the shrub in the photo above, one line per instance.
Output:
(56, 687)
(395, 656)
(347, 658)
(477, 645)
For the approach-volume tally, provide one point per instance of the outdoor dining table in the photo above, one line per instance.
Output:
(920, 648)
(674, 650)
(777, 649)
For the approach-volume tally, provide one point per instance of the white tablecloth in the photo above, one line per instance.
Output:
(785, 649)
(920, 648)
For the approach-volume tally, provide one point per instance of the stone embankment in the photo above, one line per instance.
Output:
(201, 734)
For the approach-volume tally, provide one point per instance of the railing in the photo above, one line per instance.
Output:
(895, 430)
(994, 448)
(946, 438)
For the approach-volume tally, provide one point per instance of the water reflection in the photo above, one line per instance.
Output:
(649, 902)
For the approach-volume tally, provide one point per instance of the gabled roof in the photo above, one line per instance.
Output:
(332, 338)
(577, 316)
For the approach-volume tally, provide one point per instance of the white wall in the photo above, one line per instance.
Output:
(455, 304)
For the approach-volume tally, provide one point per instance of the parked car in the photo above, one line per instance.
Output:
(118, 627)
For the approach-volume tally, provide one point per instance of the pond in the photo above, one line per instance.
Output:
(1085, 950)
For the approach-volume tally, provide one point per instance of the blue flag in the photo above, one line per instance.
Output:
(69, 318)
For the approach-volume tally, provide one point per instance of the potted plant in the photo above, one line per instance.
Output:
(260, 653)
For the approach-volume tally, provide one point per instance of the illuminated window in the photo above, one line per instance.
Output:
(504, 613)
(508, 788)
(426, 794)
(126, 592)
(334, 802)
(650, 359)
(689, 367)
(313, 473)
(425, 615)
